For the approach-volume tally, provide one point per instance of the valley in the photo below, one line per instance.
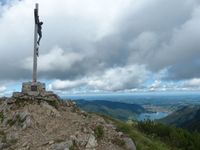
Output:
(153, 105)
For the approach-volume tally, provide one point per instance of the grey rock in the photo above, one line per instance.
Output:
(92, 143)
(70, 103)
(80, 139)
(51, 142)
(3, 145)
(23, 115)
(11, 101)
(4, 107)
(24, 144)
(62, 146)
(12, 136)
(120, 134)
(51, 110)
(27, 122)
(26, 119)
(129, 143)
(17, 94)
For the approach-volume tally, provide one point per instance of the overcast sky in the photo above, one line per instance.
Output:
(95, 46)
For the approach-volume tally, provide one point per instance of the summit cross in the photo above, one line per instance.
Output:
(37, 33)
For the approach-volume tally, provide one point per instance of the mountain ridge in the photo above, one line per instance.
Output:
(117, 110)
(187, 117)
(36, 123)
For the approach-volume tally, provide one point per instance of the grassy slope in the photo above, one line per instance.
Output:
(151, 135)
(142, 141)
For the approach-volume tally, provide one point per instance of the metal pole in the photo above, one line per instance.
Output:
(35, 50)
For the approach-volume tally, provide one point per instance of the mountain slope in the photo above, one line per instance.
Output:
(33, 123)
(193, 123)
(117, 110)
(187, 117)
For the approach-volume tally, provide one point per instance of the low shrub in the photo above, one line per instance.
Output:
(99, 132)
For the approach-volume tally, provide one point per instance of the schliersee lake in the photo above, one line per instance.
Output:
(151, 116)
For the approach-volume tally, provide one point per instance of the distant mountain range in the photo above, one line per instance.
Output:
(187, 117)
(119, 110)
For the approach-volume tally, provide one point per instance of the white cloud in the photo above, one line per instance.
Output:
(155, 85)
(2, 89)
(64, 85)
(192, 83)
(115, 79)
(56, 60)
(182, 46)
(120, 78)
(100, 44)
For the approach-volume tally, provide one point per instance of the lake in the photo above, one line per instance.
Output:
(151, 116)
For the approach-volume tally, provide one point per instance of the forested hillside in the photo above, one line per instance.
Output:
(116, 110)
(187, 117)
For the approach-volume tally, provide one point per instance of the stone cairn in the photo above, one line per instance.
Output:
(35, 92)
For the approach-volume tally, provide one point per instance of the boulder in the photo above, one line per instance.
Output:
(80, 139)
(4, 107)
(92, 143)
(129, 143)
(62, 146)
(50, 109)
(25, 119)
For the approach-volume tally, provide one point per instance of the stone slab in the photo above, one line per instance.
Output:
(31, 88)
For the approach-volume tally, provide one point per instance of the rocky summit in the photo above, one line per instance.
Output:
(49, 123)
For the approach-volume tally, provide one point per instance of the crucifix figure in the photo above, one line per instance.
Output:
(39, 25)
(38, 32)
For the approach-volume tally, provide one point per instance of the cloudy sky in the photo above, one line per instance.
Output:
(101, 46)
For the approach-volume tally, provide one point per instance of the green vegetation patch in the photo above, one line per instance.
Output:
(150, 135)
(99, 132)
(17, 119)
(142, 141)
(54, 103)
(11, 122)
(75, 109)
(2, 136)
(74, 146)
(7, 143)
(176, 138)
(1, 117)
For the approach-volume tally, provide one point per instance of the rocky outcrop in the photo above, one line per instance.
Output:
(66, 145)
(46, 96)
(91, 143)
(129, 143)
(47, 122)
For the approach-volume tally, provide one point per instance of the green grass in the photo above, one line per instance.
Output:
(141, 140)
(15, 120)
(1, 117)
(55, 104)
(99, 132)
(11, 122)
(4, 140)
(176, 138)
(150, 135)
(21, 102)
(2, 136)
(74, 146)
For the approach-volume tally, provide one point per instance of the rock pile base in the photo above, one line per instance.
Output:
(44, 121)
